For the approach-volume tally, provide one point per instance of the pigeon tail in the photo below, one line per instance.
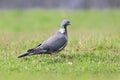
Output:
(23, 55)
(30, 52)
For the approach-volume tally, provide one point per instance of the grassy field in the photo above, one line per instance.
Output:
(92, 53)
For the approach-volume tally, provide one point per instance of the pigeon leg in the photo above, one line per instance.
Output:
(54, 54)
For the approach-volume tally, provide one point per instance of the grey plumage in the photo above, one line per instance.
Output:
(54, 44)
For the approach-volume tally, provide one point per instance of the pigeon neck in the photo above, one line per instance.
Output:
(63, 29)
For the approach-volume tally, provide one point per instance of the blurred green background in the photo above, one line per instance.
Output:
(93, 50)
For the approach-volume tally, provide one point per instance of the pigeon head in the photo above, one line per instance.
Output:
(65, 23)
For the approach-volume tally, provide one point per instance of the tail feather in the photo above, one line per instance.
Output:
(23, 55)
(34, 52)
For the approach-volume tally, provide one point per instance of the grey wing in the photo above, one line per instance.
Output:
(58, 44)
(54, 43)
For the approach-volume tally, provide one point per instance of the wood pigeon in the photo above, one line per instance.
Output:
(54, 44)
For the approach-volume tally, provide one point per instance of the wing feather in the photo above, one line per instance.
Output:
(54, 43)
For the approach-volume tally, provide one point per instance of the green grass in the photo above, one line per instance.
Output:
(92, 53)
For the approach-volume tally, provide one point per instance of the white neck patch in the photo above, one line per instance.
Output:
(62, 30)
